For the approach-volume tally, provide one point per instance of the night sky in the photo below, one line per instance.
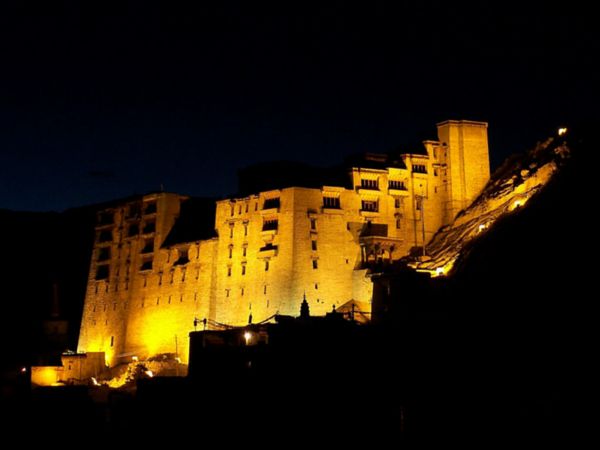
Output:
(99, 102)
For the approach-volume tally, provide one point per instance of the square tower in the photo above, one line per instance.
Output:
(467, 161)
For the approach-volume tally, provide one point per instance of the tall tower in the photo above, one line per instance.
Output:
(467, 161)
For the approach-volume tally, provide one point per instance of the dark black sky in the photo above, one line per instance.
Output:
(99, 102)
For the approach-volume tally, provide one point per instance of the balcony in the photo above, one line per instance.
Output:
(268, 251)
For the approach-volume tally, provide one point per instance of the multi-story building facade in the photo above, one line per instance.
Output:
(156, 268)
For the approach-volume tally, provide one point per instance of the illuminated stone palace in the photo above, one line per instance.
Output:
(151, 275)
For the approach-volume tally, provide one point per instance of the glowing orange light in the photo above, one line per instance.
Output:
(247, 337)
(95, 382)
(149, 373)
(134, 358)
(562, 131)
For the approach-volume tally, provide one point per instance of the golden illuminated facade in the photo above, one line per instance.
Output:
(150, 277)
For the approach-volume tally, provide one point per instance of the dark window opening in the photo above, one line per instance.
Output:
(229, 271)
(133, 211)
(104, 254)
(313, 245)
(230, 251)
(369, 184)
(183, 258)
(266, 266)
(313, 224)
(244, 250)
(370, 205)
(419, 168)
(105, 236)
(149, 227)
(146, 265)
(148, 246)
(396, 184)
(112, 341)
(270, 224)
(396, 203)
(133, 230)
(268, 247)
(243, 269)
(150, 208)
(271, 203)
(106, 218)
(398, 224)
(102, 272)
(331, 202)
(315, 264)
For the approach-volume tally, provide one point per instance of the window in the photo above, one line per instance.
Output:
(396, 203)
(242, 292)
(435, 172)
(244, 250)
(231, 230)
(133, 230)
(148, 246)
(271, 203)
(418, 204)
(270, 224)
(313, 245)
(397, 184)
(112, 341)
(370, 205)
(247, 206)
(229, 271)
(266, 266)
(104, 254)
(315, 264)
(313, 224)
(149, 227)
(265, 289)
(398, 224)
(105, 218)
(105, 236)
(227, 292)
(246, 228)
(133, 211)
(230, 251)
(243, 269)
(232, 210)
(369, 184)
(240, 209)
(316, 285)
(331, 202)
(419, 168)
(150, 208)
(102, 272)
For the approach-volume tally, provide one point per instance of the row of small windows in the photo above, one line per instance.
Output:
(419, 168)
(243, 272)
(370, 205)
(269, 203)
(392, 184)
(133, 211)
(132, 230)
